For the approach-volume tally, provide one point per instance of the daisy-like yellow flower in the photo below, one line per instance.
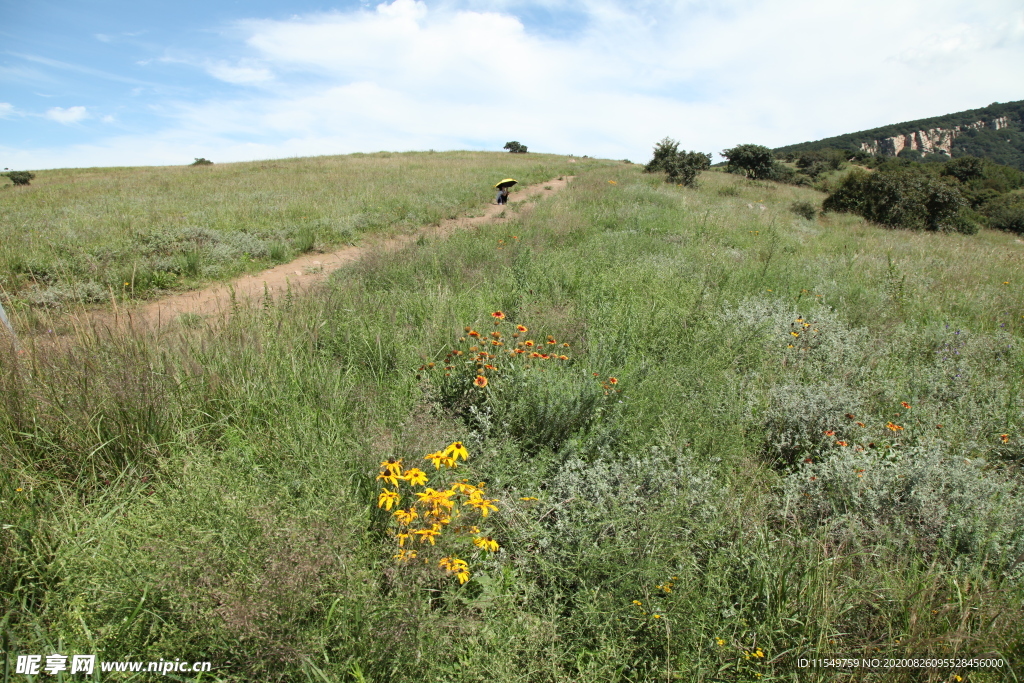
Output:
(416, 476)
(436, 458)
(405, 555)
(457, 567)
(486, 543)
(405, 517)
(457, 450)
(391, 471)
(464, 487)
(388, 499)
(427, 535)
(437, 500)
(402, 538)
(480, 381)
(795, 334)
(483, 505)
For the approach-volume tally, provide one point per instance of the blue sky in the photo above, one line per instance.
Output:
(111, 82)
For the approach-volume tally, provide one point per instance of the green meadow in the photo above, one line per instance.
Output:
(704, 437)
(78, 235)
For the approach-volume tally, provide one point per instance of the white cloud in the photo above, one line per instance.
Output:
(471, 74)
(66, 116)
(240, 75)
(6, 109)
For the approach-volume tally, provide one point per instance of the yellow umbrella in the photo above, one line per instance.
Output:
(507, 182)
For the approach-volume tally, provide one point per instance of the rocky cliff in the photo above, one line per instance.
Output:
(931, 141)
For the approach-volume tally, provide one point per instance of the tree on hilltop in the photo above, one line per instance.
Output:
(515, 147)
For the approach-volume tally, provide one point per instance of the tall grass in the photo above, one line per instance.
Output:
(76, 233)
(738, 498)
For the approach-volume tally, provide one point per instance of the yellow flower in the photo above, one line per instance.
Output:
(480, 381)
(388, 499)
(481, 504)
(402, 538)
(795, 334)
(436, 499)
(455, 566)
(657, 616)
(427, 535)
(437, 458)
(486, 543)
(416, 477)
(457, 450)
(405, 517)
(405, 555)
(638, 603)
(720, 641)
(524, 498)
(391, 471)
(464, 487)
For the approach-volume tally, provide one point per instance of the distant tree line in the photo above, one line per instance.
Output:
(1005, 146)
(929, 193)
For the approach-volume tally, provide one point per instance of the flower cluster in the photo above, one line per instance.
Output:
(802, 334)
(480, 357)
(431, 512)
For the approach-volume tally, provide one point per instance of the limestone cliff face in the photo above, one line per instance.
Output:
(931, 141)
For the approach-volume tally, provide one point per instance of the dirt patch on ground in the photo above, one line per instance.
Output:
(305, 271)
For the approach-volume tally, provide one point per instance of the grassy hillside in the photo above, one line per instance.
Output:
(770, 437)
(75, 234)
(1005, 146)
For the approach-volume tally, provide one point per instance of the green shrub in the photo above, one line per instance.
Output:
(19, 177)
(201, 162)
(819, 161)
(679, 167)
(901, 198)
(515, 147)
(804, 209)
(965, 169)
(1006, 213)
(929, 497)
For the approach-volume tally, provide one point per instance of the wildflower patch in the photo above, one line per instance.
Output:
(430, 525)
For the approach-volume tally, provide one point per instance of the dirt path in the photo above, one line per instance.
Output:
(309, 269)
